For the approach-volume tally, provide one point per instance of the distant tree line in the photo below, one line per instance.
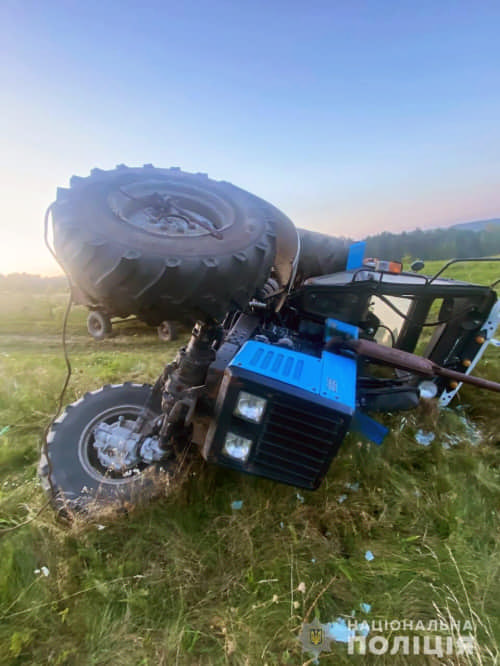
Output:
(32, 283)
(435, 243)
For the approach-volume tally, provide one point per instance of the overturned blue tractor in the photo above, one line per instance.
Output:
(296, 337)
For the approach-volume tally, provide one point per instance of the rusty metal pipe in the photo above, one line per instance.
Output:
(406, 361)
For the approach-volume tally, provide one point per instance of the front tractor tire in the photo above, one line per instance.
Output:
(70, 467)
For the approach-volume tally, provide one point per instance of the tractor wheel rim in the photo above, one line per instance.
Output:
(155, 207)
(88, 453)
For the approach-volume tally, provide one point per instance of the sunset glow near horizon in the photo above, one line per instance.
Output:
(353, 118)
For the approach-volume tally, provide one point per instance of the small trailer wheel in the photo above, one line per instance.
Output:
(99, 324)
(167, 331)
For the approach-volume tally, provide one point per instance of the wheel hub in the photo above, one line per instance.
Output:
(120, 450)
(117, 445)
(150, 206)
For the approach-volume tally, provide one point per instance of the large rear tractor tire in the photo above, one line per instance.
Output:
(167, 245)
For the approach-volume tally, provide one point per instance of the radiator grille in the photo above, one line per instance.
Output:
(298, 441)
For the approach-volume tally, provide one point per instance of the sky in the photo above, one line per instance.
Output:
(352, 117)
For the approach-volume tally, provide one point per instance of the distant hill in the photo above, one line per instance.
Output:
(478, 225)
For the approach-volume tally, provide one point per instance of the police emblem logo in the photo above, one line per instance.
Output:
(314, 638)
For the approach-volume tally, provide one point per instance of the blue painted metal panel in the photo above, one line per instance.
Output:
(368, 427)
(331, 376)
(334, 327)
(338, 379)
(356, 255)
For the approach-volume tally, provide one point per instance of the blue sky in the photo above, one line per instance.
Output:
(353, 117)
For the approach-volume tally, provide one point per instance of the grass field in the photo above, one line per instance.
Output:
(188, 580)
